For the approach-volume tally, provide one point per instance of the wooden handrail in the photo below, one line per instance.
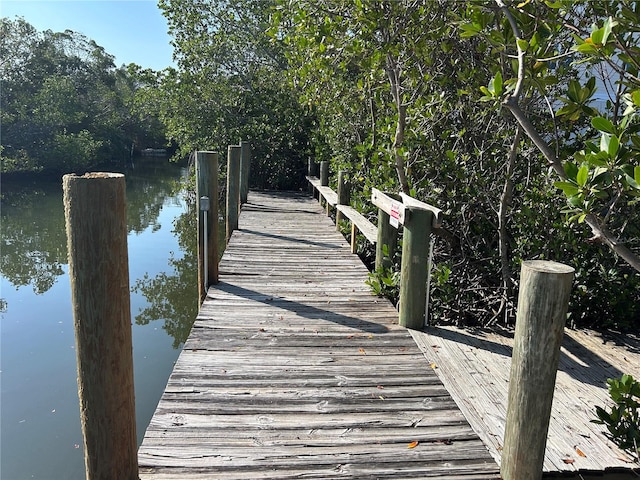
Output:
(418, 219)
(395, 206)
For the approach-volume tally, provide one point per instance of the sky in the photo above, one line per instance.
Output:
(134, 31)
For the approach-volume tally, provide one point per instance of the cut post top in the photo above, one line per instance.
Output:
(93, 175)
(548, 266)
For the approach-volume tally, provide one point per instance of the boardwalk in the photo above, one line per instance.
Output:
(474, 366)
(293, 370)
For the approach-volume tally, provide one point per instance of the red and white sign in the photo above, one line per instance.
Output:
(394, 216)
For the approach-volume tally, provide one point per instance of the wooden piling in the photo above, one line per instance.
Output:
(95, 213)
(312, 168)
(245, 165)
(387, 235)
(542, 310)
(413, 276)
(312, 171)
(324, 173)
(343, 197)
(324, 182)
(233, 189)
(207, 186)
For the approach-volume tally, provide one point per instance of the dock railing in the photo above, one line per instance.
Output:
(417, 218)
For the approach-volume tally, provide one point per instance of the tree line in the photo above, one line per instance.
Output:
(519, 119)
(64, 105)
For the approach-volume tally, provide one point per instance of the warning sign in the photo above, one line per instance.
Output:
(394, 215)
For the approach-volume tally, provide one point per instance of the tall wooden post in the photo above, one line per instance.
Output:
(542, 311)
(312, 168)
(343, 197)
(413, 276)
(233, 189)
(95, 213)
(387, 235)
(324, 173)
(324, 181)
(207, 186)
(245, 164)
(312, 171)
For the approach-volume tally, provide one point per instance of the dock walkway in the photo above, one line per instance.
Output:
(294, 370)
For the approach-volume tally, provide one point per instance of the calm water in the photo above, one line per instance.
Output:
(41, 435)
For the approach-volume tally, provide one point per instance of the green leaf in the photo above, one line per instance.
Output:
(597, 35)
(603, 125)
(486, 91)
(497, 84)
(636, 173)
(599, 172)
(569, 189)
(522, 44)
(635, 96)
(614, 146)
(606, 29)
(469, 30)
(570, 169)
(576, 200)
(574, 90)
(583, 174)
(585, 48)
(632, 183)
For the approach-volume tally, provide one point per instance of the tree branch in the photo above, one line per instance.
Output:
(600, 232)
(505, 200)
(516, 32)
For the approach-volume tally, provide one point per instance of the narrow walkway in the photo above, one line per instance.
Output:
(294, 370)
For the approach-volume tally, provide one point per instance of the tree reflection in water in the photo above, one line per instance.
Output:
(173, 296)
(34, 244)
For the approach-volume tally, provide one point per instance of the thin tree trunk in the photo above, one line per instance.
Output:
(393, 73)
(505, 202)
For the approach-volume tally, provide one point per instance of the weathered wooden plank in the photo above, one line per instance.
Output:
(329, 195)
(294, 370)
(412, 202)
(368, 229)
(387, 203)
(475, 369)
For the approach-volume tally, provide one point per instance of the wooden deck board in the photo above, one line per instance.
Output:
(293, 370)
(474, 366)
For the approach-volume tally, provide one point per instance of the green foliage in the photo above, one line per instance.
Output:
(64, 105)
(398, 106)
(385, 282)
(454, 149)
(623, 418)
(231, 86)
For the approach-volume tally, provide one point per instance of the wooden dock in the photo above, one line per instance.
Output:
(474, 366)
(294, 370)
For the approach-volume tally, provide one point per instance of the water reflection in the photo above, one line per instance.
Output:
(34, 245)
(170, 296)
(34, 248)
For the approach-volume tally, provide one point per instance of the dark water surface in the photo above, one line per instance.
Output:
(40, 424)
